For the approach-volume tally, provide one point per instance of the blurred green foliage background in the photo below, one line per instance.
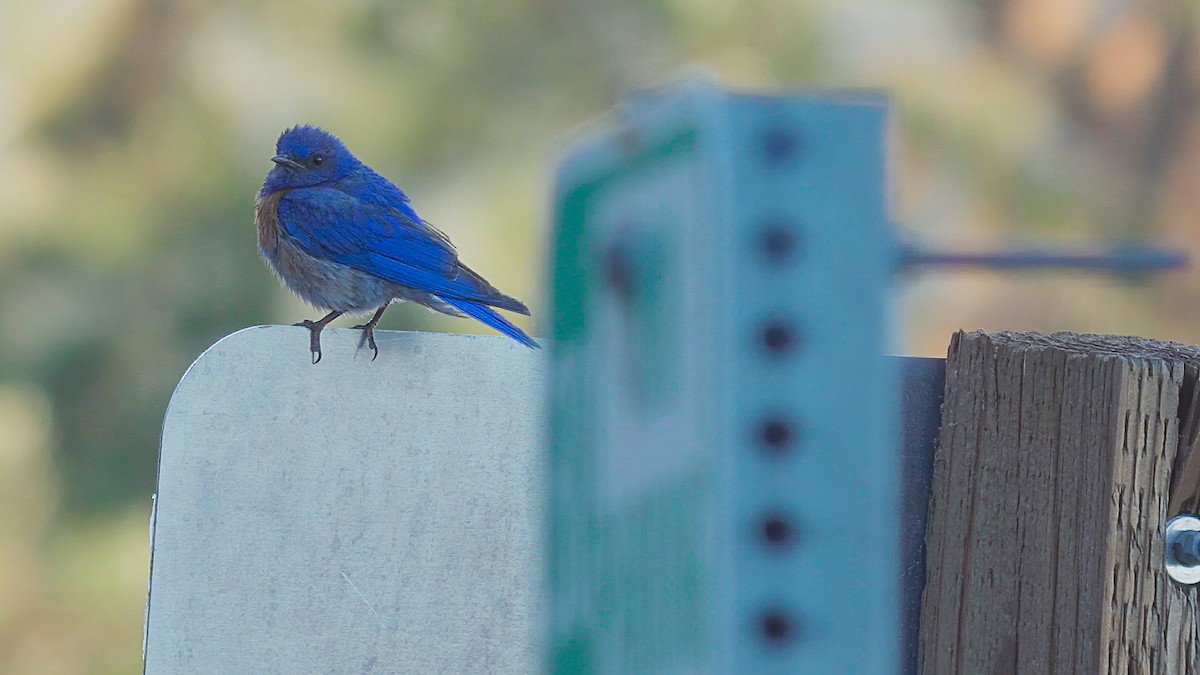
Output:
(134, 134)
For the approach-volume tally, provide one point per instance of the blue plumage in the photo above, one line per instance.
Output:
(347, 240)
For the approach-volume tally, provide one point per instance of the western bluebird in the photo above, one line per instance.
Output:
(346, 240)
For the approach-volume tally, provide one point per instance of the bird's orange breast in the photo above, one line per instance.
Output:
(266, 217)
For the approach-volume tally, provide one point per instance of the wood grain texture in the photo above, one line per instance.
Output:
(1051, 488)
(352, 516)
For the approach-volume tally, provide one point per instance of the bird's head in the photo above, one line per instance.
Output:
(307, 155)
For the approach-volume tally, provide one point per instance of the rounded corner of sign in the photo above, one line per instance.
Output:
(222, 344)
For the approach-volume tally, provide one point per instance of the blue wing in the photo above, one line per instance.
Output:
(330, 224)
(385, 240)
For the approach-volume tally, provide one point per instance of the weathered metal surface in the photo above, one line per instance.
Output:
(352, 516)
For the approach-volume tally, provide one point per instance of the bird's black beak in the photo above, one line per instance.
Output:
(284, 160)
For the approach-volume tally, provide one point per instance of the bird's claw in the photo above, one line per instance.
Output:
(314, 338)
(368, 338)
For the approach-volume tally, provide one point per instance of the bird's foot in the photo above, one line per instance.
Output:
(368, 329)
(314, 333)
(368, 338)
(314, 337)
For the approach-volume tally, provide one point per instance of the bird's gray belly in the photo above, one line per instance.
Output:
(324, 284)
(328, 285)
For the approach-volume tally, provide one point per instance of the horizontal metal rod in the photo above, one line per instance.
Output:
(1121, 261)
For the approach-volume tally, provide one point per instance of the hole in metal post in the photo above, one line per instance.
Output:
(776, 530)
(776, 434)
(778, 241)
(778, 337)
(776, 626)
(779, 145)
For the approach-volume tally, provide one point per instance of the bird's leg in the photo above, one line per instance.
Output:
(314, 333)
(368, 330)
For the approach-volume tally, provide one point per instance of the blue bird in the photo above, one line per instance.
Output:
(346, 240)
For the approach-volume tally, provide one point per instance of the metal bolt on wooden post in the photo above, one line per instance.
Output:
(1052, 488)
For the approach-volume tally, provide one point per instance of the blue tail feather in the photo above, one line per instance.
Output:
(490, 317)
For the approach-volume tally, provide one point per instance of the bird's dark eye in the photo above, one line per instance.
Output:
(318, 160)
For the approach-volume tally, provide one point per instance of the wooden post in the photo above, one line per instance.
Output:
(1051, 491)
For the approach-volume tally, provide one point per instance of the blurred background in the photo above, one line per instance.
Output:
(134, 134)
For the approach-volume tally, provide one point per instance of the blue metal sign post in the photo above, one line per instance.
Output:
(723, 424)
